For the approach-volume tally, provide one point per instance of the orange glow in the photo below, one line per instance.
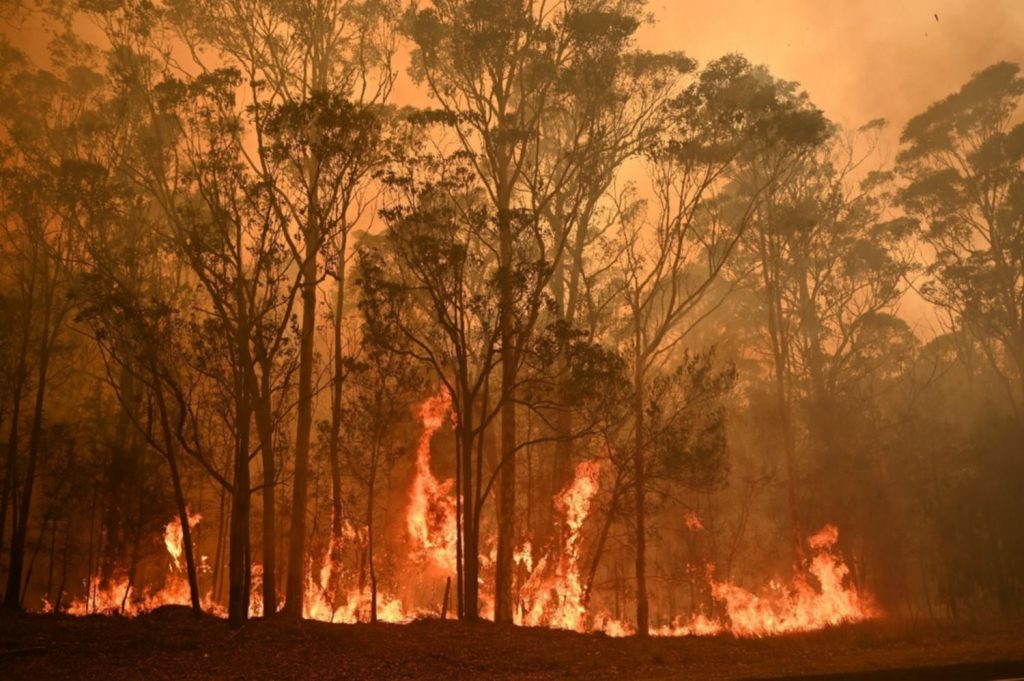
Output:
(553, 595)
(815, 600)
(431, 519)
(119, 596)
(174, 540)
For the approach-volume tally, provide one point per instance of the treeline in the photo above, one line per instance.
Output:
(234, 260)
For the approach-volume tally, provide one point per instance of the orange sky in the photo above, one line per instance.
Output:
(859, 59)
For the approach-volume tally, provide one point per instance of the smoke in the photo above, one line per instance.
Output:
(858, 59)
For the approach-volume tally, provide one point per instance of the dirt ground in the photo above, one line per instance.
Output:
(171, 644)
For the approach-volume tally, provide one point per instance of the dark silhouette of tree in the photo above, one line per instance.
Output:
(962, 161)
(45, 199)
(430, 295)
(829, 266)
(504, 71)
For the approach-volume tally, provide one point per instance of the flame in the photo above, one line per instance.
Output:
(550, 595)
(173, 536)
(431, 519)
(553, 596)
(693, 522)
(256, 590)
(801, 606)
(119, 596)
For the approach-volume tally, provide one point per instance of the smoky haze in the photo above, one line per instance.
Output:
(858, 59)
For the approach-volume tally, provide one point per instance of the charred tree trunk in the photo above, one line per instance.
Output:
(506, 457)
(238, 539)
(170, 450)
(8, 497)
(460, 494)
(334, 447)
(19, 536)
(297, 539)
(640, 494)
(370, 498)
(470, 513)
(265, 429)
(13, 443)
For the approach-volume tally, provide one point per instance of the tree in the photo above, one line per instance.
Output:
(347, 141)
(384, 381)
(43, 208)
(300, 62)
(829, 268)
(963, 160)
(732, 113)
(626, 95)
(428, 293)
(501, 70)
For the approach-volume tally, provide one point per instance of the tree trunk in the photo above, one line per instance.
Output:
(21, 378)
(639, 491)
(470, 513)
(12, 596)
(370, 497)
(506, 457)
(238, 539)
(297, 539)
(337, 502)
(179, 496)
(11, 465)
(265, 430)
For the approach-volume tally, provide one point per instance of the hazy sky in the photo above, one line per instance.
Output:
(858, 59)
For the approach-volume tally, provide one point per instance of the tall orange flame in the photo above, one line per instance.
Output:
(553, 594)
(174, 537)
(431, 519)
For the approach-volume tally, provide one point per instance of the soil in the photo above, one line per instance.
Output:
(170, 643)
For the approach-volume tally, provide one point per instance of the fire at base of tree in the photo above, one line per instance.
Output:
(551, 593)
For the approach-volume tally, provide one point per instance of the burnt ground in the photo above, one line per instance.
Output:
(171, 644)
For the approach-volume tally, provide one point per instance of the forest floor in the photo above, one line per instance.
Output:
(170, 644)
